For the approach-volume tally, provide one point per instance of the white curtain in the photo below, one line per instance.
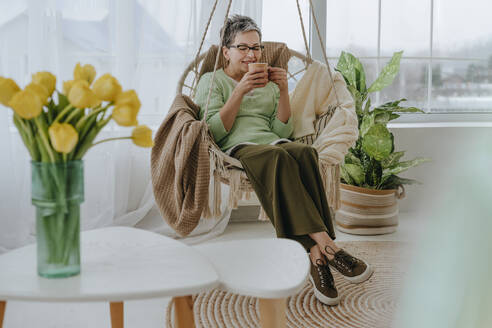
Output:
(146, 44)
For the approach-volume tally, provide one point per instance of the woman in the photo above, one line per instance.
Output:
(250, 118)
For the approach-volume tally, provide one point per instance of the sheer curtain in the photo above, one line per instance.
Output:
(144, 43)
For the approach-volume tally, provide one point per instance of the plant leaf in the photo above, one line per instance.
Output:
(393, 116)
(403, 166)
(367, 123)
(377, 142)
(382, 118)
(367, 106)
(360, 77)
(62, 102)
(392, 159)
(395, 103)
(407, 110)
(356, 172)
(345, 176)
(350, 158)
(346, 66)
(357, 99)
(393, 181)
(387, 74)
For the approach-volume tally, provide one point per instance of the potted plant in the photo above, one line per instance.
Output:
(370, 186)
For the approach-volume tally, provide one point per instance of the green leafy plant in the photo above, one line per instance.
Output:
(373, 163)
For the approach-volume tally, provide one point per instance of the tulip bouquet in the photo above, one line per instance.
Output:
(58, 128)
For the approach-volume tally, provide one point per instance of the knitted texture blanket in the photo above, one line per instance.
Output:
(180, 167)
(314, 95)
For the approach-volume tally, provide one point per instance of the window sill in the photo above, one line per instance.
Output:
(444, 120)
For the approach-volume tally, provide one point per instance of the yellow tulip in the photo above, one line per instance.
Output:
(142, 136)
(39, 90)
(81, 96)
(86, 72)
(63, 137)
(8, 88)
(46, 79)
(26, 104)
(125, 115)
(129, 98)
(107, 87)
(67, 85)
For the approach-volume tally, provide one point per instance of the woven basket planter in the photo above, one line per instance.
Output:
(368, 211)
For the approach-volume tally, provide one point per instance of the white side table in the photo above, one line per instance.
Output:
(270, 269)
(117, 264)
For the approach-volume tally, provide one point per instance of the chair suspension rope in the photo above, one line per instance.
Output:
(216, 61)
(298, 72)
(201, 45)
(324, 50)
(291, 76)
(308, 54)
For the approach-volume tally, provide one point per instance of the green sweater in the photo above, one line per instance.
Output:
(256, 122)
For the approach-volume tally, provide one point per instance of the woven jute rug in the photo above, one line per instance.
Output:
(370, 304)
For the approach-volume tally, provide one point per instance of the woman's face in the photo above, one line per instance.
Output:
(240, 58)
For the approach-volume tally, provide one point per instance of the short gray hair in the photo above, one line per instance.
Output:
(238, 24)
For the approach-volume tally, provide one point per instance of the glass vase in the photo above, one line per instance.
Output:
(57, 192)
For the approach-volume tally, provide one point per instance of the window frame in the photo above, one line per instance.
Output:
(415, 119)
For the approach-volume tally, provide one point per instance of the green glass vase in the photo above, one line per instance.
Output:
(57, 192)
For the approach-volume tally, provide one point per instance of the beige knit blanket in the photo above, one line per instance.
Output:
(314, 95)
(180, 166)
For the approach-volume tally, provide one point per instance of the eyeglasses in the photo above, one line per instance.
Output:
(244, 49)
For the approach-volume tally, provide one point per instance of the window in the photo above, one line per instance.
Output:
(280, 22)
(85, 28)
(13, 40)
(462, 56)
(447, 60)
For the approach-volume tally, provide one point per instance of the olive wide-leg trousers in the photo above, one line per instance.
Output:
(287, 181)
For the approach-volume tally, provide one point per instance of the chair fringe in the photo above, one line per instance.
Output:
(217, 195)
(217, 169)
(234, 185)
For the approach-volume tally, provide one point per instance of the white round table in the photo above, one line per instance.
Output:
(117, 264)
(270, 269)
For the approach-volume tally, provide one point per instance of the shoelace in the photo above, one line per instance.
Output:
(344, 259)
(324, 273)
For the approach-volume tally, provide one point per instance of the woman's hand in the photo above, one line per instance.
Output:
(278, 76)
(252, 80)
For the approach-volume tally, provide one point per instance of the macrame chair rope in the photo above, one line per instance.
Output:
(193, 84)
(217, 59)
(308, 53)
(323, 49)
(320, 41)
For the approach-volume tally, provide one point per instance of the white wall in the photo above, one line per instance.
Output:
(444, 145)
